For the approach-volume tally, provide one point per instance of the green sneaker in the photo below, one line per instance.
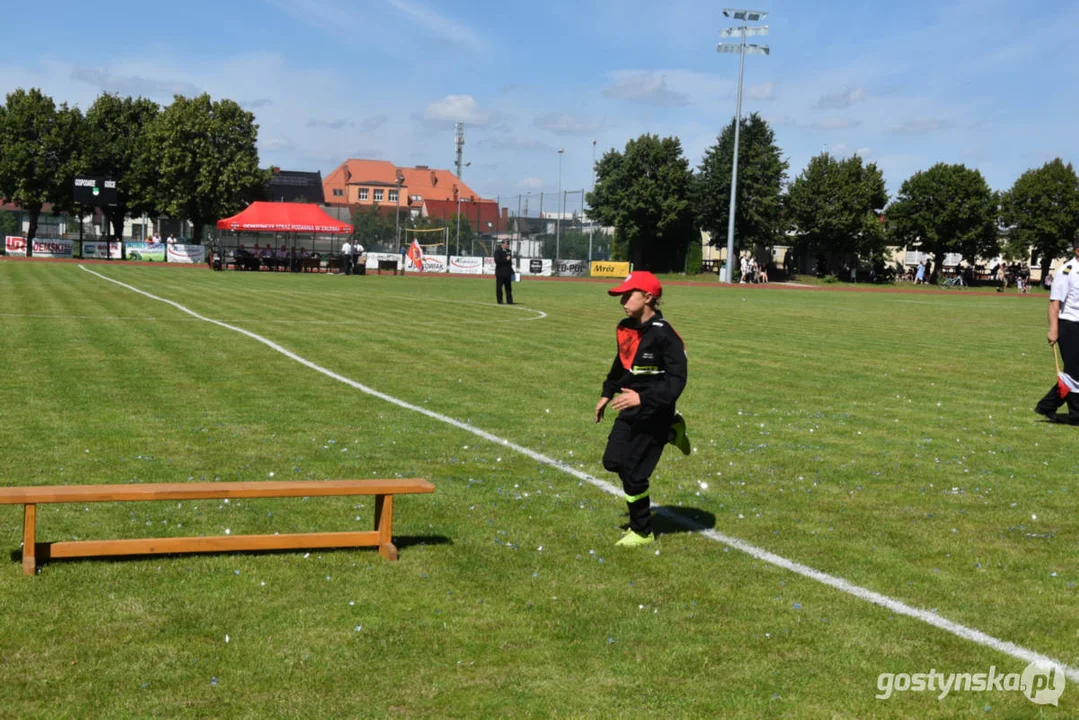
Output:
(679, 437)
(633, 539)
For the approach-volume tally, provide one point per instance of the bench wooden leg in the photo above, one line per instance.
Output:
(29, 560)
(384, 526)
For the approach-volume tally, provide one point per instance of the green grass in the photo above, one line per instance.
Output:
(886, 438)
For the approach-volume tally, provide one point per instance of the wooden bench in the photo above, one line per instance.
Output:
(381, 537)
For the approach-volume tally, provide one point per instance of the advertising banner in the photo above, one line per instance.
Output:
(187, 254)
(610, 269)
(488, 266)
(53, 248)
(535, 266)
(374, 258)
(573, 268)
(101, 250)
(15, 245)
(466, 265)
(146, 252)
(431, 264)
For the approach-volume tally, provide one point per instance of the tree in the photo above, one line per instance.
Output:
(38, 153)
(118, 146)
(946, 209)
(206, 159)
(758, 215)
(646, 194)
(1042, 212)
(834, 208)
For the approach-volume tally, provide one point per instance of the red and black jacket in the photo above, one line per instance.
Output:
(651, 359)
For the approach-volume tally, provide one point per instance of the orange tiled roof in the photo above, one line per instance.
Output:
(428, 183)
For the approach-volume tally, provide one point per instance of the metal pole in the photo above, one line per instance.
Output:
(397, 220)
(558, 219)
(591, 219)
(734, 166)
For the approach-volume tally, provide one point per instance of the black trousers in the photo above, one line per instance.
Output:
(1068, 340)
(346, 264)
(507, 282)
(633, 451)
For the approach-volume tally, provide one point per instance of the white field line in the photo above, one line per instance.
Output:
(896, 606)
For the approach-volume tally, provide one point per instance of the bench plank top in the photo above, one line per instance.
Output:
(211, 490)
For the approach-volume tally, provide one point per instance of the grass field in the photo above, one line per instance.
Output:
(885, 438)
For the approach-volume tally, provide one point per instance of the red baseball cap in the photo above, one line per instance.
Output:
(639, 280)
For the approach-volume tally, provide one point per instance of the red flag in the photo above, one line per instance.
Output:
(415, 254)
(1066, 384)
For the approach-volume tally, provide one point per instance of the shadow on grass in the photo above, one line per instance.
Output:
(667, 520)
(400, 541)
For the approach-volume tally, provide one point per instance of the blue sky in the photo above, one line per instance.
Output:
(903, 84)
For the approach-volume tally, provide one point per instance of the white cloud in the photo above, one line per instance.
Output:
(764, 91)
(919, 126)
(566, 124)
(842, 99)
(133, 85)
(456, 108)
(834, 124)
(532, 183)
(440, 26)
(649, 88)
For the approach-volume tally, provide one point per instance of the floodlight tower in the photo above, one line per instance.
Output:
(459, 144)
(742, 32)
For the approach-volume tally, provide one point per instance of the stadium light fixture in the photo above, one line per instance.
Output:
(741, 32)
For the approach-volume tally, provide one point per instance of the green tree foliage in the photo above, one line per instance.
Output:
(118, 146)
(206, 159)
(834, 208)
(1042, 212)
(38, 153)
(371, 227)
(645, 192)
(758, 216)
(946, 209)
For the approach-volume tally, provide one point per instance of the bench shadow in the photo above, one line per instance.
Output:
(401, 542)
(669, 519)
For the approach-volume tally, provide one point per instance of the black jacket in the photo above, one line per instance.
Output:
(503, 263)
(651, 359)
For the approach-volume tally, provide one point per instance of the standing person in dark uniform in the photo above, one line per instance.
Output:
(504, 272)
(647, 375)
(1064, 330)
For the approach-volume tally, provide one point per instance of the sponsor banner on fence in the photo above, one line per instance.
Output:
(373, 259)
(100, 250)
(431, 264)
(466, 265)
(535, 266)
(15, 245)
(573, 268)
(189, 254)
(53, 248)
(610, 269)
(147, 252)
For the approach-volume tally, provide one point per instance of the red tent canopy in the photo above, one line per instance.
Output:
(284, 217)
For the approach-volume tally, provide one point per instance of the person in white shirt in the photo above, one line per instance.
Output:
(1064, 331)
(359, 260)
(346, 258)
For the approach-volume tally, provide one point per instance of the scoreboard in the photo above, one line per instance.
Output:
(97, 191)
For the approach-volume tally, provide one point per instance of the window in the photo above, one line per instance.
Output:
(393, 196)
(338, 192)
(378, 195)
(363, 193)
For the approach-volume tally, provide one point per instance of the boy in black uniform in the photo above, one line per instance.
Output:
(648, 374)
